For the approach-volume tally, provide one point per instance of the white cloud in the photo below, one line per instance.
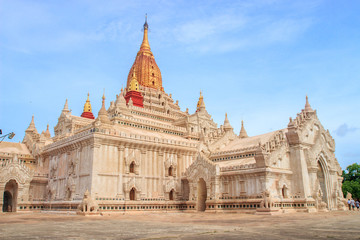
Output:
(202, 29)
(344, 129)
(228, 31)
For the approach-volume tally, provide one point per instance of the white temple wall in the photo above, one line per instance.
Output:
(37, 190)
(105, 172)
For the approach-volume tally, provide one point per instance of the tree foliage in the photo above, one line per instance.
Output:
(352, 173)
(351, 181)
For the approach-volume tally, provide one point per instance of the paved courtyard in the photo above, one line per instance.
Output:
(332, 225)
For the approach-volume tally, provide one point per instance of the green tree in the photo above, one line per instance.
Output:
(352, 173)
(351, 181)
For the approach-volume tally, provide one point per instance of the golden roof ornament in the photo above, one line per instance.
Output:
(134, 84)
(147, 72)
(87, 105)
(87, 113)
(201, 104)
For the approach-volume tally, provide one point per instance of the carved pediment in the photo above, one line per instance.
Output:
(201, 168)
(14, 169)
(169, 185)
(170, 162)
(133, 156)
(132, 183)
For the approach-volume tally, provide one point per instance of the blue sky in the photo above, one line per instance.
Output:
(255, 60)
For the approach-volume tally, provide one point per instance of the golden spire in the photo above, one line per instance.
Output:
(87, 105)
(147, 72)
(145, 46)
(200, 103)
(134, 84)
(201, 99)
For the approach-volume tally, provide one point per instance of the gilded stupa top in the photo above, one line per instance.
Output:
(200, 105)
(87, 113)
(147, 72)
(87, 105)
(134, 84)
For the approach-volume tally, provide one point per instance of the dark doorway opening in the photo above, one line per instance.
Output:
(132, 194)
(202, 194)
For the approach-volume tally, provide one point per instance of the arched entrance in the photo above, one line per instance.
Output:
(284, 191)
(132, 167)
(170, 172)
(322, 183)
(201, 195)
(132, 194)
(171, 195)
(7, 204)
(10, 196)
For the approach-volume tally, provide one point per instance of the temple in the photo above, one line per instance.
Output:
(143, 153)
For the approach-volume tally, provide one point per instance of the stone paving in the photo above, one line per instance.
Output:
(331, 225)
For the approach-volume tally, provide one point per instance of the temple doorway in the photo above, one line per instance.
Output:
(284, 191)
(132, 194)
(10, 196)
(322, 183)
(171, 195)
(201, 195)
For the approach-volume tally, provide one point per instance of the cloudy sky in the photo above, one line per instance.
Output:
(255, 60)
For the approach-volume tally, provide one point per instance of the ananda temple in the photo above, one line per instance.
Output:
(143, 153)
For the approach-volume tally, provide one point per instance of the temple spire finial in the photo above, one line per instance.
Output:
(66, 106)
(47, 132)
(307, 105)
(201, 104)
(243, 133)
(31, 127)
(103, 114)
(227, 125)
(145, 46)
(87, 113)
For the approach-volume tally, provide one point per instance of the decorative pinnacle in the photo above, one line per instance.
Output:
(146, 26)
(31, 125)
(227, 125)
(87, 105)
(66, 106)
(307, 105)
(47, 132)
(243, 133)
(145, 46)
(200, 105)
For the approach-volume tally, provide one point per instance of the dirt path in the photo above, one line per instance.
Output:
(332, 225)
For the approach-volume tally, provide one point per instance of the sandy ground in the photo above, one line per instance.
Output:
(331, 225)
